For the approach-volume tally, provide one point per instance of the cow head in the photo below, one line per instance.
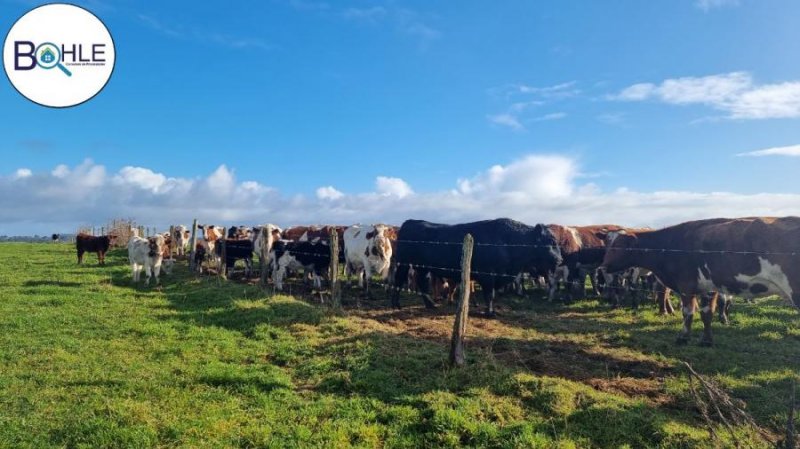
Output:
(617, 257)
(211, 233)
(156, 244)
(548, 246)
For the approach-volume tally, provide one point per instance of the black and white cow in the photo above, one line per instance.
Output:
(367, 250)
(287, 256)
(503, 248)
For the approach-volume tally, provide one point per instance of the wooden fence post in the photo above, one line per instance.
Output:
(171, 240)
(193, 243)
(223, 264)
(334, 269)
(457, 356)
(262, 251)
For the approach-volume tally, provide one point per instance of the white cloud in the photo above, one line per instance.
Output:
(23, 173)
(735, 94)
(520, 110)
(561, 90)
(221, 182)
(61, 171)
(533, 189)
(791, 150)
(140, 177)
(707, 5)
(392, 187)
(329, 193)
(551, 116)
(544, 177)
(507, 120)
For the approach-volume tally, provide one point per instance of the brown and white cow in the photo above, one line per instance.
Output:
(748, 257)
(583, 248)
(85, 243)
(367, 250)
(180, 237)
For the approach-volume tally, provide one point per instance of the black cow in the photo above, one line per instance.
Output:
(236, 250)
(503, 249)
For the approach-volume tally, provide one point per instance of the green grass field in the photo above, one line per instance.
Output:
(88, 360)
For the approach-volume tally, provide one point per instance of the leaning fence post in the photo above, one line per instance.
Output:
(334, 268)
(193, 243)
(223, 264)
(171, 240)
(457, 357)
(262, 251)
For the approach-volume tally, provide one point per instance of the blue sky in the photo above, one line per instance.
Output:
(298, 95)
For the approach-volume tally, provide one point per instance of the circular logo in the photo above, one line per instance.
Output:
(59, 55)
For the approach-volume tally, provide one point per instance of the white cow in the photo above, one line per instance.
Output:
(147, 254)
(367, 250)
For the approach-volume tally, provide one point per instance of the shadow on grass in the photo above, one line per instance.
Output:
(400, 368)
(50, 283)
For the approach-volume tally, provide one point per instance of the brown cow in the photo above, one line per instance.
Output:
(748, 257)
(87, 243)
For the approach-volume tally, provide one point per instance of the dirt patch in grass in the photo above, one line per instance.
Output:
(513, 344)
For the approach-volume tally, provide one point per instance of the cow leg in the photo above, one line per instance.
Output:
(147, 274)
(688, 306)
(708, 303)
(423, 286)
(135, 272)
(593, 280)
(80, 256)
(367, 277)
(724, 309)
(451, 293)
(552, 279)
(318, 285)
(668, 302)
(277, 278)
(577, 284)
(488, 296)
(662, 299)
(400, 278)
(156, 272)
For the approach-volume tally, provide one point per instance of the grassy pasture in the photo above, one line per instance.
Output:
(88, 360)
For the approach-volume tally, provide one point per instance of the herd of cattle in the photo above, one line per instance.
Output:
(704, 260)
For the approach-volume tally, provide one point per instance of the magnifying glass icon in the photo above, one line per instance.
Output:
(48, 56)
